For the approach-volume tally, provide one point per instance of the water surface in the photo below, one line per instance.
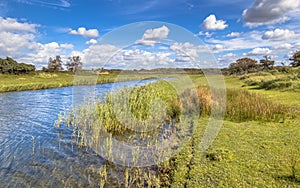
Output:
(35, 154)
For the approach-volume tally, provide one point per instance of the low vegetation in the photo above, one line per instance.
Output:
(278, 79)
(257, 146)
(44, 80)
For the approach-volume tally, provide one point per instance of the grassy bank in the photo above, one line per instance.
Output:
(34, 81)
(247, 154)
(286, 79)
(42, 80)
(258, 145)
(289, 97)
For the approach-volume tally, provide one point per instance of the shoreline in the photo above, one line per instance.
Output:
(33, 82)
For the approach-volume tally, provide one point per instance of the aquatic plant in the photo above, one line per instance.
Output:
(123, 116)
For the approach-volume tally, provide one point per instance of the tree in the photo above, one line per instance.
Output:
(55, 64)
(74, 63)
(243, 65)
(267, 63)
(10, 66)
(295, 59)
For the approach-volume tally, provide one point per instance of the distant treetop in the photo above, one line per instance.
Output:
(295, 59)
(10, 66)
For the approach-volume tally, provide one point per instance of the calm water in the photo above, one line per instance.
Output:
(33, 153)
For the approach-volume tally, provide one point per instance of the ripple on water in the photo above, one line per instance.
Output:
(32, 153)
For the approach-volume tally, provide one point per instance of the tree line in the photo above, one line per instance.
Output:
(73, 64)
(241, 66)
(247, 65)
(10, 66)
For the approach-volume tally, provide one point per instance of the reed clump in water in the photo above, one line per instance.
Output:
(135, 115)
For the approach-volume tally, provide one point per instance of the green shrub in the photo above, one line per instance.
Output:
(274, 80)
(276, 84)
(10, 66)
(220, 155)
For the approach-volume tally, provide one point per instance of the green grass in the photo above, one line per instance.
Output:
(34, 81)
(41, 80)
(252, 153)
(274, 79)
(248, 154)
(288, 97)
(258, 145)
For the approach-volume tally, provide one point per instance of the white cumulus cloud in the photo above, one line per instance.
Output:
(67, 46)
(191, 55)
(13, 25)
(211, 23)
(18, 40)
(12, 44)
(269, 11)
(284, 47)
(97, 56)
(279, 34)
(218, 48)
(142, 59)
(91, 42)
(206, 34)
(234, 34)
(226, 59)
(40, 53)
(188, 50)
(82, 31)
(152, 36)
(260, 51)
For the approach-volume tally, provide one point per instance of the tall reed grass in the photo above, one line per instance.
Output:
(243, 105)
(127, 111)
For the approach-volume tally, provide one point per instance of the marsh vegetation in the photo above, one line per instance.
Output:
(257, 145)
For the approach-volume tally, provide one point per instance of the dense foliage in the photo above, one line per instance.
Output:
(74, 64)
(243, 65)
(10, 66)
(295, 59)
(267, 63)
(54, 64)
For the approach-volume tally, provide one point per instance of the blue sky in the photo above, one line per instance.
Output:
(31, 31)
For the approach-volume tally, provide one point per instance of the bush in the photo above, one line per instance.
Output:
(220, 155)
(10, 66)
(274, 79)
(249, 106)
(276, 84)
(244, 66)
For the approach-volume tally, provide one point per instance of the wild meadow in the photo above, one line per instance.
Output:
(257, 146)
(45, 80)
(282, 79)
